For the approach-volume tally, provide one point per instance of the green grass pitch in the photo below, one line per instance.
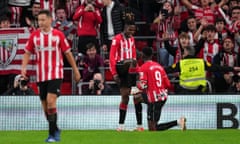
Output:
(226, 136)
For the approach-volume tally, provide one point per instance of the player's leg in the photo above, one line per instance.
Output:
(124, 91)
(157, 113)
(52, 113)
(138, 112)
(150, 117)
(53, 93)
(43, 89)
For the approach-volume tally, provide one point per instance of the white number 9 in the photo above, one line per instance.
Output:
(158, 78)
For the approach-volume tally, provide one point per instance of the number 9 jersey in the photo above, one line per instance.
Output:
(154, 80)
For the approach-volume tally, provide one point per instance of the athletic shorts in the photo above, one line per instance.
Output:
(154, 110)
(126, 79)
(50, 86)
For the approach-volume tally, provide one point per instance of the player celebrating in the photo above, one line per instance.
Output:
(122, 62)
(154, 80)
(49, 44)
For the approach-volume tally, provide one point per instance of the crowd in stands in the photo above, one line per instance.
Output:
(212, 27)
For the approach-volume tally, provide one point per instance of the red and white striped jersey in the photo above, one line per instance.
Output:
(206, 13)
(209, 51)
(153, 76)
(166, 26)
(122, 48)
(71, 6)
(48, 48)
(229, 59)
(48, 5)
(16, 13)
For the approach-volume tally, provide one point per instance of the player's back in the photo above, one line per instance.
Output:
(157, 80)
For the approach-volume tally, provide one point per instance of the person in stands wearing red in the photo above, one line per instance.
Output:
(89, 18)
(154, 80)
(48, 44)
(122, 63)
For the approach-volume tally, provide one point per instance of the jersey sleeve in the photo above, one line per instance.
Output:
(134, 55)
(113, 56)
(64, 45)
(30, 44)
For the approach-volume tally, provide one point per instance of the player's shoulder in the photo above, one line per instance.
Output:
(36, 32)
(118, 36)
(56, 31)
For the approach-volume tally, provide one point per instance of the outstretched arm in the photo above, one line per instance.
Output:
(25, 61)
(72, 62)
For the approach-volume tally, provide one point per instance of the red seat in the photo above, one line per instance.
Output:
(66, 88)
(108, 75)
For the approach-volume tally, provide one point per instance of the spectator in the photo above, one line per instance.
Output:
(192, 29)
(91, 63)
(232, 24)
(113, 21)
(61, 23)
(192, 78)
(97, 86)
(221, 31)
(30, 20)
(4, 22)
(177, 52)
(226, 57)
(204, 10)
(20, 87)
(210, 47)
(235, 86)
(89, 18)
(165, 23)
(4, 9)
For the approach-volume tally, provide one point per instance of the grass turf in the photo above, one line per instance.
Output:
(227, 136)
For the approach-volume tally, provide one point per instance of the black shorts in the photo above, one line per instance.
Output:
(154, 110)
(126, 79)
(50, 86)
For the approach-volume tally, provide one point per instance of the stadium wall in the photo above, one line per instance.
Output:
(101, 112)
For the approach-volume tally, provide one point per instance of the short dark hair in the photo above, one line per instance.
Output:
(4, 18)
(235, 8)
(147, 52)
(60, 8)
(46, 12)
(90, 45)
(210, 27)
(219, 19)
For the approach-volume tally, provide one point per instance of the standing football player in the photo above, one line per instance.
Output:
(48, 44)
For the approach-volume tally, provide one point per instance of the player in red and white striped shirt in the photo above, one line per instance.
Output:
(154, 80)
(122, 62)
(48, 44)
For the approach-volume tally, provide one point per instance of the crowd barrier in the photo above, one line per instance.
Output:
(101, 112)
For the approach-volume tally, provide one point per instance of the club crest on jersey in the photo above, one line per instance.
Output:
(8, 49)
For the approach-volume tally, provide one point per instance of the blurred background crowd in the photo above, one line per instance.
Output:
(168, 26)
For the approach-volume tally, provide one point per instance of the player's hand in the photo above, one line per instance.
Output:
(24, 72)
(77, 76)
(135, 90)
(116, 79)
